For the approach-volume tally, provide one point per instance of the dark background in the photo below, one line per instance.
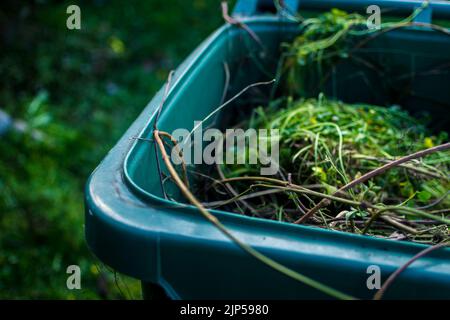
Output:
(70, 94)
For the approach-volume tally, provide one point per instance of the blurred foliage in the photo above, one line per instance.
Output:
(72, 94)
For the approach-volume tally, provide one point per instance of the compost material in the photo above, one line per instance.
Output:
(325, 144)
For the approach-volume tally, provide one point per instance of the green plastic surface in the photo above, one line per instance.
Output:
(130, 227)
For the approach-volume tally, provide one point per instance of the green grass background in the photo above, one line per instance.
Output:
(80, 89)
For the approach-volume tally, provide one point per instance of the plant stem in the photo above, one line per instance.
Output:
(374, 173)
(256, 254)
(393, 276)
(155, 125)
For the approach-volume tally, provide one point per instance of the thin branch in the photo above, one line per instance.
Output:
(284, 10)
(226, 69)
(399, 26)
(240, 197)
(223, 105)
(256, 254)
(235, 194)
(239, 24)
(436, 202)
(375, 173)
(363, 204)
(405, 166)
(163, 100)
(393, 276)
(226, 85)
(180, 155)
(155, 126)
(399, 225)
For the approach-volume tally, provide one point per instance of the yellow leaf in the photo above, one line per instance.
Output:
(93, 269)
(428, 142)
(116, 45)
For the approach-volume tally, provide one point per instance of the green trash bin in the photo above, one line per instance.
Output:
(174, 251)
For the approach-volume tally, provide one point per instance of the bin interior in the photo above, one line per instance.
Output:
(412, 69)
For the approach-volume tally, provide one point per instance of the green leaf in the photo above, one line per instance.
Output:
(424, 196)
